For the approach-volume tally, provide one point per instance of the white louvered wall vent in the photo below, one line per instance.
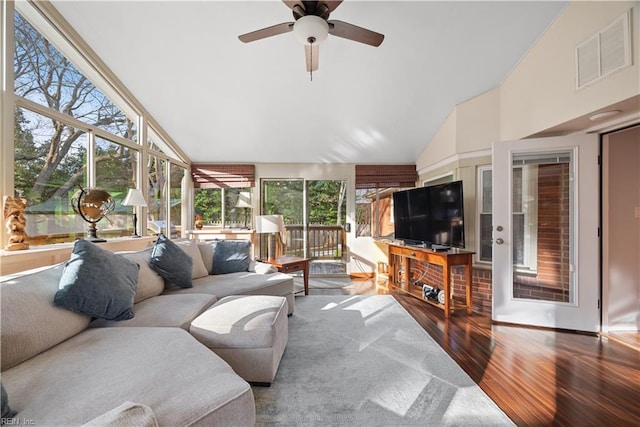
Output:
(603, 53)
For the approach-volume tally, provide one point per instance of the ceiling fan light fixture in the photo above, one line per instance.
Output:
(310, 29)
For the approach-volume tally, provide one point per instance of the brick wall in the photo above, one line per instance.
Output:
(431, 274)
(552, 279)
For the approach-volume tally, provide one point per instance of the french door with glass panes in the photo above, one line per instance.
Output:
(545, 247)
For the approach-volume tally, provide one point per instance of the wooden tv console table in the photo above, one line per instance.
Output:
(400, 258)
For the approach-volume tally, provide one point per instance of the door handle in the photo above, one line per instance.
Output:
(499, 241)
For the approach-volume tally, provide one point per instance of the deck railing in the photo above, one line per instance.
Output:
(324, 241)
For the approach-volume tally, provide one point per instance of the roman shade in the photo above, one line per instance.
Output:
(385, 176)
(223, 175)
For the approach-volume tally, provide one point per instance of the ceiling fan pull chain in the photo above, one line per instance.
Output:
(311, 40)
(311, 62)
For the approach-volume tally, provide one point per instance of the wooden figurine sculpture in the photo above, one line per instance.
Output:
(199, 222)
(15, 222)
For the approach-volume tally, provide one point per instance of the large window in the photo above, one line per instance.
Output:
(224, 207)
(223, 194)
(45, 76)
(49, 164)
(55, 137)
(73, 130)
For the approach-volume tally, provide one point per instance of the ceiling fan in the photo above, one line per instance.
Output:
(311, 27)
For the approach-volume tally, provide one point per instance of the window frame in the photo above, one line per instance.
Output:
(224, 207)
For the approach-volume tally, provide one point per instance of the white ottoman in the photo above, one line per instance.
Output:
(249, 332)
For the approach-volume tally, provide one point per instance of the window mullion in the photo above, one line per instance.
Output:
(91, 159)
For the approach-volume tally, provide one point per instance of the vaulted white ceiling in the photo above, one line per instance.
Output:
(225, 101)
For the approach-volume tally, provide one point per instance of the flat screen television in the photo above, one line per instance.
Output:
(429, 216)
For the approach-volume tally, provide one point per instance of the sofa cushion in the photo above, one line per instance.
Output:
(171, 262)
(191, 248)
(231, 256)
(243, 283)
(150, 283)
(206, 252)
(30, 322)
(127, 414)
(165, 369)
(98, 283)
(175, 310)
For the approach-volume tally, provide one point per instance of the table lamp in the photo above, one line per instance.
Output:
(244, 202)
(135, 199)
(270, 224)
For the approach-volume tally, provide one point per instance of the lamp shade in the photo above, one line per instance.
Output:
(269, 223)
(134, 198)
(310, 29)
(244, 200)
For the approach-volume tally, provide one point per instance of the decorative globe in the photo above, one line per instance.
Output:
(92, 204)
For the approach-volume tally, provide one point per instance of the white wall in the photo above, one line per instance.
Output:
(478, 122)
(442, 145)
(540, 93)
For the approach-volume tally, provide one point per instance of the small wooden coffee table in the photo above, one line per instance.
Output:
(288, 264)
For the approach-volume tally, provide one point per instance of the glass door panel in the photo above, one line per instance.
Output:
(286, 197)
(542, 227)
(327, 214)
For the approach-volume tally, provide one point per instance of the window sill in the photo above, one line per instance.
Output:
(40, 256)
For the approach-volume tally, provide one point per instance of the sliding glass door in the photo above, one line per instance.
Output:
(314, 214)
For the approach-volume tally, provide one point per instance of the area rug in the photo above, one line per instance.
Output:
(364, 361)
(329, 282)
(327, 268)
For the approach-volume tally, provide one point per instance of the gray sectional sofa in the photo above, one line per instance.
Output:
(62, 367)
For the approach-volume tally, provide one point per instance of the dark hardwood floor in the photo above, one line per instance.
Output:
(537, 377)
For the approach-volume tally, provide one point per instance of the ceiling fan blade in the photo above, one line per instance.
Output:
(274, 30)
(311, 54)
(355, 33)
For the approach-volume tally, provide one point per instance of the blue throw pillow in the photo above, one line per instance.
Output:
(231, 256)
(171, 262)
(98, 283)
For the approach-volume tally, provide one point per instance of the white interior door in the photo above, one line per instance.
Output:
(545, 232)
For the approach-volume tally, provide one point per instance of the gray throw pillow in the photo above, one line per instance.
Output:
(171, 263)
(231, 256)
(7, 412)
(98, 283)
